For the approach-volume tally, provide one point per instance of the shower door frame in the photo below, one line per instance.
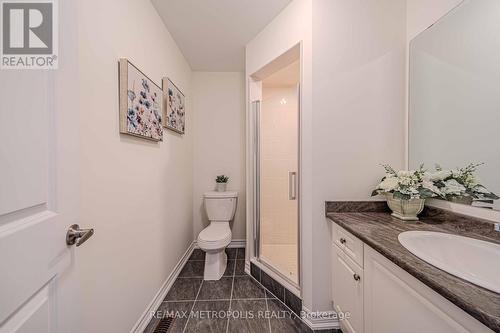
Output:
(255, 108)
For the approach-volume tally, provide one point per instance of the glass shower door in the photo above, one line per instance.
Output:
(278, 142)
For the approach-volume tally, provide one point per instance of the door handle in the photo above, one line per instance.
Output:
(78, 236)
(292, 185)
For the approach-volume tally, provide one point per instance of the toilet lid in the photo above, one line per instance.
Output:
(215, 233)
(220, 195)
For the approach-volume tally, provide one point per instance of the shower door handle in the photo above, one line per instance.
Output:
(292, 185)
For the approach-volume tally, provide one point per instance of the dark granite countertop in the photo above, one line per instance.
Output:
(372, 223)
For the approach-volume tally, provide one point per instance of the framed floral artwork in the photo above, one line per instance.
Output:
(140, 103)
(174, 107)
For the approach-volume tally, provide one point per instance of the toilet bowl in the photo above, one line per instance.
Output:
(220, 208)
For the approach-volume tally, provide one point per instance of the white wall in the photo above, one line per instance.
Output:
(359, 71)
(219, 141)
(135, 193)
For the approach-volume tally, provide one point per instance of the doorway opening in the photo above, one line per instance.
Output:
(276, 114)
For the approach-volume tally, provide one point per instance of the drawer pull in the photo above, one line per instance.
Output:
(343, 241)
(356, 277)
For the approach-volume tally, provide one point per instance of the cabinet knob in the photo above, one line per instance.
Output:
(356, 277)
(343, 241)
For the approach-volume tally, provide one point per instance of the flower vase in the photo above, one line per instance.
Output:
(462, 200)
(406, 210)
(221, 187)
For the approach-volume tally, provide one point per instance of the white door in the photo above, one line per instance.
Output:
(39, 192)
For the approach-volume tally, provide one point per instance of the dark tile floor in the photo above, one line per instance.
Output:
(235, 303)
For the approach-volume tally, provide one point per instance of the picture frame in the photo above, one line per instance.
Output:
(141, 103)
(174, 107)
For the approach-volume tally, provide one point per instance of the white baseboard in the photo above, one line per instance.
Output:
(323, 320)
(235, 243)
(238, 243)
(141, 324)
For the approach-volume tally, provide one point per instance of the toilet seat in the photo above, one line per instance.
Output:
(215, 236)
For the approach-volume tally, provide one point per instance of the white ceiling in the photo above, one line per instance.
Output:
(212, 34)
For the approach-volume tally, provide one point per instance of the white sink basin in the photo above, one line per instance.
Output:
(470, 259)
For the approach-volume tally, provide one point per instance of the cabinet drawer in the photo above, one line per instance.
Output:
(347, 291)
(349, 243)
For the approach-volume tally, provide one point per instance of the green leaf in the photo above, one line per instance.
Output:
(401, 196)
(221, 179)
(491, 195)
(426, 193)
(439, 184)
(389, 169)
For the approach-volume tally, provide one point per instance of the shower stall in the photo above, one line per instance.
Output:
(276, 168)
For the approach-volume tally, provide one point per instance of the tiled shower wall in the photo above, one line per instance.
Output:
(279, 149)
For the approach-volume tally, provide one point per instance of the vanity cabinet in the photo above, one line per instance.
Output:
(381, 297)
(394, 301)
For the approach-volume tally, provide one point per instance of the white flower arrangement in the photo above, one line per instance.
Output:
(460, 183)
(406, 185)
(445, 184)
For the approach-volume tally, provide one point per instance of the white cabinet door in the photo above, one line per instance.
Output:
(396, 302)
(39, 192)
(347, 290)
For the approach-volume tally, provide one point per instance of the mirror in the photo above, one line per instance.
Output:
(454, 107)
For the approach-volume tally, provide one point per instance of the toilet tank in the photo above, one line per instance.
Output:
(220, 206)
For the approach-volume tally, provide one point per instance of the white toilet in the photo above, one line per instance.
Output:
(220, 208)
